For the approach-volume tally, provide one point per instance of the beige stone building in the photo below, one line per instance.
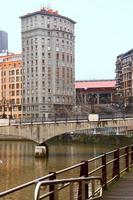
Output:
(124, 77)
(48, 53)
(10, 85)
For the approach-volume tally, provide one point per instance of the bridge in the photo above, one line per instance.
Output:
(41, 131)
(93, 177)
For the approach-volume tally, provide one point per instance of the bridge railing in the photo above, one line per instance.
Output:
(68, 118)
(108, 167)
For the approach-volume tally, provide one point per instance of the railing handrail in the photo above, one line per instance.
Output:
(63, 181)
(67, 119)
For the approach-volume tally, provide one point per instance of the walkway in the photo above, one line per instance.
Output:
(121, 189)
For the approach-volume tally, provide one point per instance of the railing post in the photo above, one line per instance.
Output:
(104, 171)
(116, 164)
(51, 187)
(131, 163)
(83, 172)
(127, 158)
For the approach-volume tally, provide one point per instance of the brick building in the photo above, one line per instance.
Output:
(10, 85)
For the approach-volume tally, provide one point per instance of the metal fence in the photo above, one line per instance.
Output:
(70, 118)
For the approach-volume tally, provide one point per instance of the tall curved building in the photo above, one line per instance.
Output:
(48, 54)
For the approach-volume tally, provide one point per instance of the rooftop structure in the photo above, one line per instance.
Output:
(100, 91)
(95, 84)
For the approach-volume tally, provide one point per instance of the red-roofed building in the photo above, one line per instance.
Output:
(98, 91)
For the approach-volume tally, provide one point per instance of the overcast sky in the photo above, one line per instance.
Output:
(104, 30)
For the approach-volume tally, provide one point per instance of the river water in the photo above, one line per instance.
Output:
(18, 164)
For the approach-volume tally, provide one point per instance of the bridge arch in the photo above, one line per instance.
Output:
(41, 132)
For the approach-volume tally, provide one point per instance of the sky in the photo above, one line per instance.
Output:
(103, 30)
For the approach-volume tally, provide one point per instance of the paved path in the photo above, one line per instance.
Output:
(121, 189)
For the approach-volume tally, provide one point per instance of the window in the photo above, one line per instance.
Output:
(13, 93)
(17, 92)
(12, 72)
(17, 78)
(13, 86)
(49, 99)
(57, 56)
(35, 40)
(43, 39)
(43, 99)
(49, 55)
(17, 101)
(43, 83)
(17, 71)
(17, 85)
(63, 57)
(43, 69)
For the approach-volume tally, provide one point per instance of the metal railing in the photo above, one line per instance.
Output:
(108, 166)
(77, 118)
(93, 184)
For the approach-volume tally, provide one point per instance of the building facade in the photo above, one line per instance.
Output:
(10, 86)
(3, 41)
(124, 77)
(95, 91)
(48, 52)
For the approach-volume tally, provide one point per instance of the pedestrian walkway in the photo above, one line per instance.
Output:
(121, 189)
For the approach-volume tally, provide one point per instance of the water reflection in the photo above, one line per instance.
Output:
(19, 164)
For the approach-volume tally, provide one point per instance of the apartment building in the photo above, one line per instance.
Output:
(48, 53)
(10, 85)
(124, 76)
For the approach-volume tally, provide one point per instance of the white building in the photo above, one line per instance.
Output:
(48, 50)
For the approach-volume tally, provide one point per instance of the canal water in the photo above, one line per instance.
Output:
(18, 164)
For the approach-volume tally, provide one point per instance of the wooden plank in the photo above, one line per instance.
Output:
(121, 189)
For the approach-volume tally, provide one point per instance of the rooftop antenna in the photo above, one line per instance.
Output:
(42, 7)
(46, 5)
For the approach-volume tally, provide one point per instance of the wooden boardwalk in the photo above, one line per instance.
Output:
(121, 189)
